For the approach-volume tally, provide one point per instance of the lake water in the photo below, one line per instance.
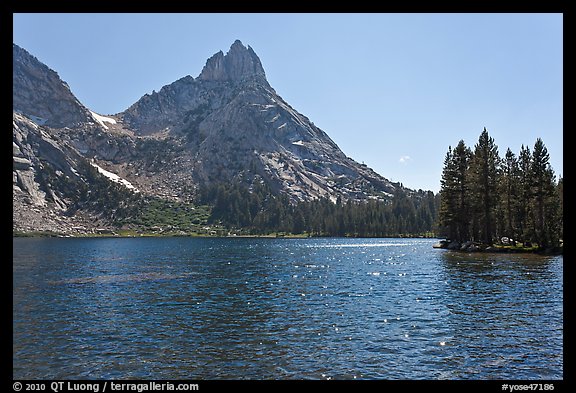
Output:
(190, 308)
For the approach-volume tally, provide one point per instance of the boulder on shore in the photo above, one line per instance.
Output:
(441, 244)
(454, 245)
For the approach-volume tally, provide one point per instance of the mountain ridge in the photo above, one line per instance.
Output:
(42, 95)
(226, 126)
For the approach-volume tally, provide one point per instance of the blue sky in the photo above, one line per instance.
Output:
(392, 90)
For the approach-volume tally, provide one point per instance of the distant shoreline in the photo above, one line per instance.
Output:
(48, 234)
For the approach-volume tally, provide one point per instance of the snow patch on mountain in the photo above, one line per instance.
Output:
(114, 177)
(103, 119)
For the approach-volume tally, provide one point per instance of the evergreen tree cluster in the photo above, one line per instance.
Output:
(484, 197)
(260, 211)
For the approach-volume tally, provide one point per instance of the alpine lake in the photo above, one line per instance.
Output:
(277, 309)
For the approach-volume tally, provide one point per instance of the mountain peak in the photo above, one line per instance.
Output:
(238, 45)
(238, 64)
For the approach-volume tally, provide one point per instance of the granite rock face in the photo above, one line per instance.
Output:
(47, 173)
(54, 142)
(239, 64)
(38, 92)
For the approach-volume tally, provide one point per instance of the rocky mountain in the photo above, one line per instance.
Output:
(51, 176)
(235, 127)
(52, 182)
(39, 92)
(226, 126)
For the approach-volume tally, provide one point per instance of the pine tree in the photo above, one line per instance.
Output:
(447, 216)
(509, 193)
(545, 199)
(524, 226)
(484, 176)
(454, 203)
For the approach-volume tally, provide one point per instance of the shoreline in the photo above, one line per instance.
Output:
(475, 247)
(130, 234)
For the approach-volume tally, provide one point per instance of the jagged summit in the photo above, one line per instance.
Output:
(182, 100)
(240, 63)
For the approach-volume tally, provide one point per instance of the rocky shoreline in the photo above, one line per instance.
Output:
(471, 246)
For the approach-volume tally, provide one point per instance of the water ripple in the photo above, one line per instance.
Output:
(282, 309)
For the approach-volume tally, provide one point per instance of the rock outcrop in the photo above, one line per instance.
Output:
(47, 176)
(38, 92)
(239, 64)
